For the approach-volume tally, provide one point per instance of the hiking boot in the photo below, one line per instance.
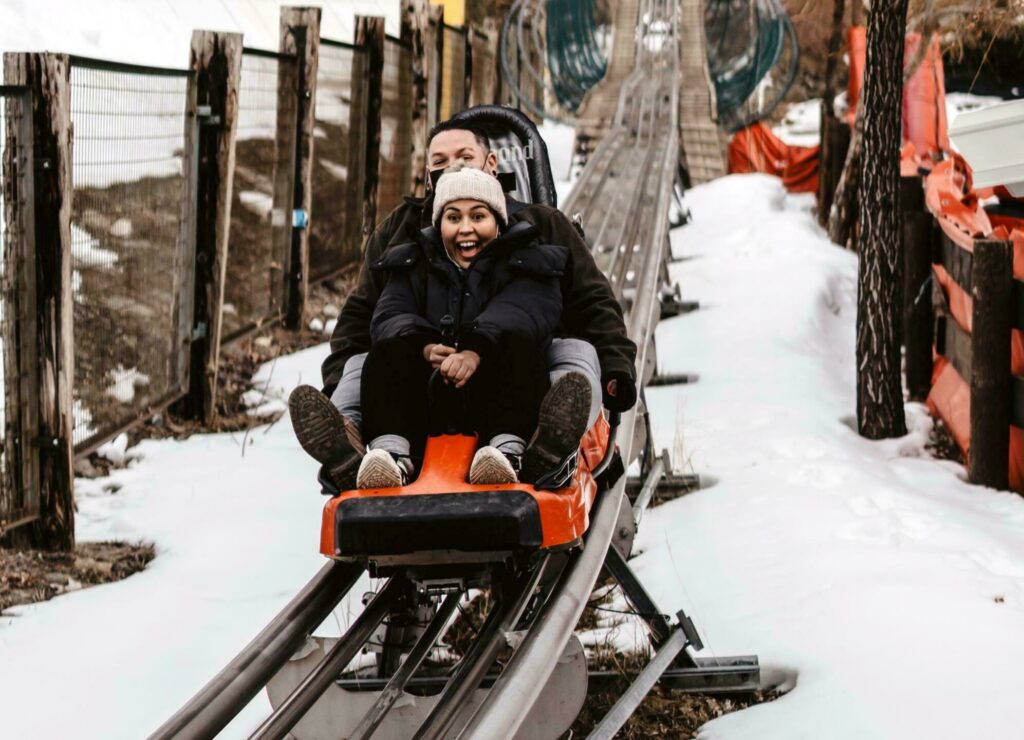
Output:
(380, 469)
(492, 467)
(326, 435)
(561, 423)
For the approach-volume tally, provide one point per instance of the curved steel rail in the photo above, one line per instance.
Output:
(649, 121)
(217, 703)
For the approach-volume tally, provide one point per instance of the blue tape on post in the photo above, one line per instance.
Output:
(300, 218)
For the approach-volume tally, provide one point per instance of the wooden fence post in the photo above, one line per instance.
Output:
(300, 37)
(415, 21)
(435, 71)
(992, 271)
(918, 320)
(467, 66)
(216, 61)
(370, 36)
(48, 78)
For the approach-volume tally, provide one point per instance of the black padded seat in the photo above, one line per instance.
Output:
(471, 522)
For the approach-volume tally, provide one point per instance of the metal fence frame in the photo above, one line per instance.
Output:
(19, 458)
(183, 261)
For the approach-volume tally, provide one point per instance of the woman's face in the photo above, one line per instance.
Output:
(466, 228)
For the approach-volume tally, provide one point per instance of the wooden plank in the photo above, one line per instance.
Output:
(990, 367)
(435, 71)
(20, 504)
(216, 60)
(300, 37)
(48, 76)
(370, 37)
(415, 22)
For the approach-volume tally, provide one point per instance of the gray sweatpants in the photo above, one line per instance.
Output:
(564, 356)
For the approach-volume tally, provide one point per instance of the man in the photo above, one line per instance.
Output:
(592, 339)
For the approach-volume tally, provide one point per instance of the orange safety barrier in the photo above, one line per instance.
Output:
(956, 207)
(756, 149)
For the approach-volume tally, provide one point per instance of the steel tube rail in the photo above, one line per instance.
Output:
(277, 725)
(647, 491)
(394, 688)
(482, 655)
(641, 686)
(516, 691)
(224, 696)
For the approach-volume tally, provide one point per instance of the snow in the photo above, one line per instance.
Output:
(801, 124)
(874, 584)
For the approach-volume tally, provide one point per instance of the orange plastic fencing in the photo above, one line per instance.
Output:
(958, 211)
(757, 149)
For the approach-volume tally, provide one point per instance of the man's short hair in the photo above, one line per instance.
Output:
(478, 133)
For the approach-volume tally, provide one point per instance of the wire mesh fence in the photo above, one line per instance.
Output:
(255, 284)
(19, 481)
(453, 98)
(395, 172)
(338, 153)
(132, 243)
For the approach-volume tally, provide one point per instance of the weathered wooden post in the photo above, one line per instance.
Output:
(48, 78)
(216, 60)
(415, 22)
(467, 66)
(485, 75)
(918, 320)
(370, 37)
(991, 289)
(300, 37)
(435, 69)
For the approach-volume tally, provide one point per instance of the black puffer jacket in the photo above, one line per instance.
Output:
(589, 308)
(513, 287)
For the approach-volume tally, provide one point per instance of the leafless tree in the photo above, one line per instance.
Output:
(879, 390)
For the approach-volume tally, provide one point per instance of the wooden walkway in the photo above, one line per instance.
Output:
(700, 138)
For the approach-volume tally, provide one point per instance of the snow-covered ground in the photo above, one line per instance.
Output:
(877, 586)
(801, 124)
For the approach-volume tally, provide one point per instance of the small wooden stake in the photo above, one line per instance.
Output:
(300, 37)
(990, 361)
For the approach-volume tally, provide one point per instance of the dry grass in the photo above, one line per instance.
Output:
(29, 576)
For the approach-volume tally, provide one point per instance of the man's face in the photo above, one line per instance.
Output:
(449, 146)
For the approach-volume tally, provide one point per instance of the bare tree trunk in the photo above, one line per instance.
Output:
(829, 140)
(879, 391)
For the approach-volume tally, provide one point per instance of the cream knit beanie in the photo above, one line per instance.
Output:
(462, 182)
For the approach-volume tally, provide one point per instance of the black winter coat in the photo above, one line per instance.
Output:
(512, 287)
(590, 310)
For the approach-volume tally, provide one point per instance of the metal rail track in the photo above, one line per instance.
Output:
(623, 197)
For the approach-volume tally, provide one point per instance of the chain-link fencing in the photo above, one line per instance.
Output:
(339, 150)
(133, 241)
(260, 242)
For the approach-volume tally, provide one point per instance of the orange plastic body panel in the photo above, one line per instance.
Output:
(564, 514)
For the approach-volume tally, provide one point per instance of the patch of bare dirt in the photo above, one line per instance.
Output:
(942, 445)
(29, 576)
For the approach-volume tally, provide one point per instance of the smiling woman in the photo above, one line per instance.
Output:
(469, 209)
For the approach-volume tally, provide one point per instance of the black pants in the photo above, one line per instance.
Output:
(502, 397)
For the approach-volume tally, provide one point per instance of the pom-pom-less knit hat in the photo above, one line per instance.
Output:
(462, 182)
